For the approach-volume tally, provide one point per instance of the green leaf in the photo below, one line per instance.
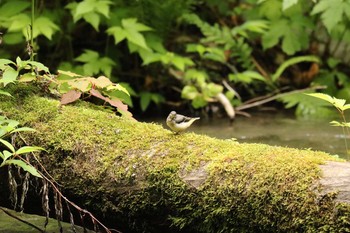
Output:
(84, 7)
(332, 12)
(87, 56)
(38, 65)
(133, 25)
(6, 155)
(130, 30)
(27, 77)
(118, 33)
(288, 3)
(157, 98)
(13, 7)
(19, 22)
(8, 145)
(293, 61)
(9, 76)
(189, 92)
(103, 7)
(5, 93)
(199, 102)
(338, 103)
(94, 63)
(212, 90)
(121, 95)
(23, 129)
(246, 77)
(12, 38)
(28, 149)
(271, 9)
(4, 62)
(93, 19)
(29, 168)
(145, 100)
(292, 32)
(44, 26)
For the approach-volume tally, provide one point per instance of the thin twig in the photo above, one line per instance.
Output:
(257, 103)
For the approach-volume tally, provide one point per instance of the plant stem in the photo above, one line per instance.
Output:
(31, 32)
(347, 133)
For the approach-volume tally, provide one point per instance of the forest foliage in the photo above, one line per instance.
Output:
(170, 53)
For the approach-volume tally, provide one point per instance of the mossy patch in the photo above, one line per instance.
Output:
(138, 175)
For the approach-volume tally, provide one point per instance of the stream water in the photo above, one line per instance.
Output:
(277, 129)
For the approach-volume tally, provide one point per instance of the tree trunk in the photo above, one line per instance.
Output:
(142, 178)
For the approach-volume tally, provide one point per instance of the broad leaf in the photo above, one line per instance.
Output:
(70, 97)
(145, 100)
(4, 62)
(189, 92)
(44, 26)
(23, 129)
(28, 149)
(29, 168)
(8, 145)
(6, 155)
(288, 3)
(332, 11)
(9, 76)
(13, 7)
(19, 22)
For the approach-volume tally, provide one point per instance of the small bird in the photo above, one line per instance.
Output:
(178, 122)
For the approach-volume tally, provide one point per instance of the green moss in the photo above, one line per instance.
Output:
(135, 174)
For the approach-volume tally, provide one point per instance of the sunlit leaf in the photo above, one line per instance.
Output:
(68, 73)
(335, 123)
(81, 84)
(4, 62)
(189, 92)
(28, 149)
(85, 6)
(117, 32)
(6, 155)
(93, 19)
(103, 82)
(119, 88)
(38, 65)
(8, 145)
(288, 3)
(23, 129)
(29, 168)
(338, 103)
(9, 76)
(19, 22)
(44, 26)
(27, 77)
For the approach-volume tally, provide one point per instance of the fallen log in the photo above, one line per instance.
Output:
(140, 177)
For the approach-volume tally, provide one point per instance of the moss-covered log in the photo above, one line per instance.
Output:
(143, 178)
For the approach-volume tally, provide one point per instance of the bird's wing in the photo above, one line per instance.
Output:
(180, 119)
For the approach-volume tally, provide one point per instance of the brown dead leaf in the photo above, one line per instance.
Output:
(115, 103)
(70, 97)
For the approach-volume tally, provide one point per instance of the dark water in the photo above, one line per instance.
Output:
(278, 129)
